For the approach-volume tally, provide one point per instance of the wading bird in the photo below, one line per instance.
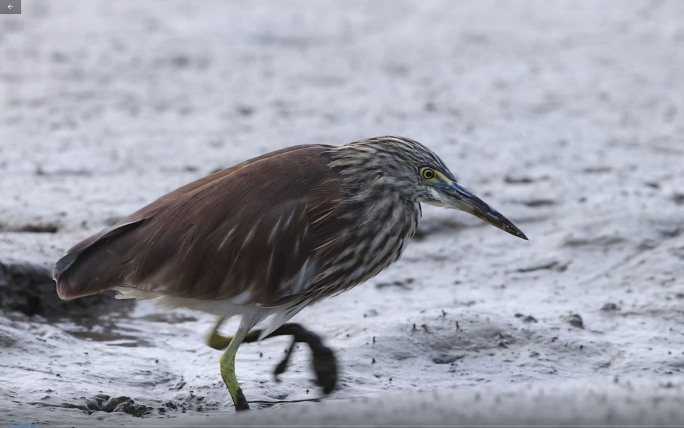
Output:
(271, 235)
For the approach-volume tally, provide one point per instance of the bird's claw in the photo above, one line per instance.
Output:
(323, 358)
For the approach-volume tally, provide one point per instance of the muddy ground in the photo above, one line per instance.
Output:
(567, 116)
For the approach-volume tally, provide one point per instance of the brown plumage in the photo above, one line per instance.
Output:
(272, 234)
(235, 230)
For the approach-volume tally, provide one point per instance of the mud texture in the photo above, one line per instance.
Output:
(566, 116)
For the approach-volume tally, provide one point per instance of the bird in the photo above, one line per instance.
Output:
(271, 235)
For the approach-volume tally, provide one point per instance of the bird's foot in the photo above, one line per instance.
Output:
(324, 361)
(325, 367)
(240, 401)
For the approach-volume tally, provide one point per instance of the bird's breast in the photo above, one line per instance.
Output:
(375, 240)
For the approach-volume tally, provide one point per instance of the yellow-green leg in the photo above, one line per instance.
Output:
(218, 341)
(324, 361)
(228, 370)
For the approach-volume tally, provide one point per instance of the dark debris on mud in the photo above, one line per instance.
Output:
(28, 288)
(105, 403)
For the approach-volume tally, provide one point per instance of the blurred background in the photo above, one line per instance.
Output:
(567, 116)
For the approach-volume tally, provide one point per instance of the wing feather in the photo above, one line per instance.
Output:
(246, 231)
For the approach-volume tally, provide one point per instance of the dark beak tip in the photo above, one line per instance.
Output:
(519, 233)
(516, 232)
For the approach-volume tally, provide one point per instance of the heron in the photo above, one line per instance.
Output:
(271, 235)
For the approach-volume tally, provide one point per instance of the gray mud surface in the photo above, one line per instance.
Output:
(567, 116)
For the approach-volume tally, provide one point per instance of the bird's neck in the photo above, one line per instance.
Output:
(385, 214)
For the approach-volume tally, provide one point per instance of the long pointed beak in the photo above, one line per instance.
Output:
(462, 199)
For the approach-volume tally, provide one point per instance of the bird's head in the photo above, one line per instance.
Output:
(416, 173)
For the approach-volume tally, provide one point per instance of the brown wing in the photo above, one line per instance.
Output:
(251, 232)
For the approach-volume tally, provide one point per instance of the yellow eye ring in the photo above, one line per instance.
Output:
(428, 173)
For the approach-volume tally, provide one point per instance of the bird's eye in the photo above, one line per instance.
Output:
(428, 173)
